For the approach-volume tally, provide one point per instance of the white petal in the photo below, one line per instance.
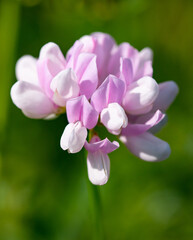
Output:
(73, 137)
(140, 96)
(26, 69)
(147, 147)
(114, 118)
(65, 86)
(146, 54)
(98, 165)
(31, 100)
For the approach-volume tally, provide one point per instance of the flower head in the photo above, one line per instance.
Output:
(99, 82)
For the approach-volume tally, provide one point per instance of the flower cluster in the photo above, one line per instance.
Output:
(99, 82)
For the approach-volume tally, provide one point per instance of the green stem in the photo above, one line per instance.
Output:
(96, 210)
(95, 205)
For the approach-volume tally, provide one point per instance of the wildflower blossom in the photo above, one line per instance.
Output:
(45, 84)
(99, 82)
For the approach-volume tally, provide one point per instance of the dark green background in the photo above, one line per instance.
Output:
(43, 190)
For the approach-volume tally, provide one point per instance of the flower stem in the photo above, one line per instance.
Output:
(96, 210)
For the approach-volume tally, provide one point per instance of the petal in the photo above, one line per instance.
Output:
(142, 63)
(79, 109)
(157, 127)
(104, 146)
(26, 69)
(111, 90)
(104, 44)
(65, 86)
(31, 100)
(98, 165)
(140, 95)
(85, 44)
(146, 54)
(143, 123)
(124, 50)
(167, 93)
(114, 118)
(51, 61)
(147, 147)
(73, 137)
(126, 71)
(89, 43)
(55, 59)
(87, 73)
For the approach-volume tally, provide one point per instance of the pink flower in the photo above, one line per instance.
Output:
(98, 162)
(138, 136)
(107, 101)
(45, 84)
(98, 80)
(81, 116)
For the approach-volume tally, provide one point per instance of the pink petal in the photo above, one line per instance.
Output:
(51, 61)
(147, 147)
(89, 44)
(126, 71)
(124, 50)
(87, 73)
(55, 59)
(26, 69)
(104, 44)
(31, 100)
(167, 93)
(143, 123)
(103, 145)
(142, 63)
(110, 91)
(140, 96)
(85, 44)
(79, 109)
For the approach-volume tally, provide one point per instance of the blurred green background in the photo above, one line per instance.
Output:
(43, 190)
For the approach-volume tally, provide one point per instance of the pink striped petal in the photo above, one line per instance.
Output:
(79, 109)
(110, 91)
(87, 73)
(143, 123)
(104, 44)
(126, 71)
(97, 144)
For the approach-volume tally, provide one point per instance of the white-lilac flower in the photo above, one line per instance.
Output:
(45, 84)
(98, 80)
(98, 162)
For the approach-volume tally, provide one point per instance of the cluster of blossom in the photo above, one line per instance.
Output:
(98, 82)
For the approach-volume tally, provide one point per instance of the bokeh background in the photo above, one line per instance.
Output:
(43, 190)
